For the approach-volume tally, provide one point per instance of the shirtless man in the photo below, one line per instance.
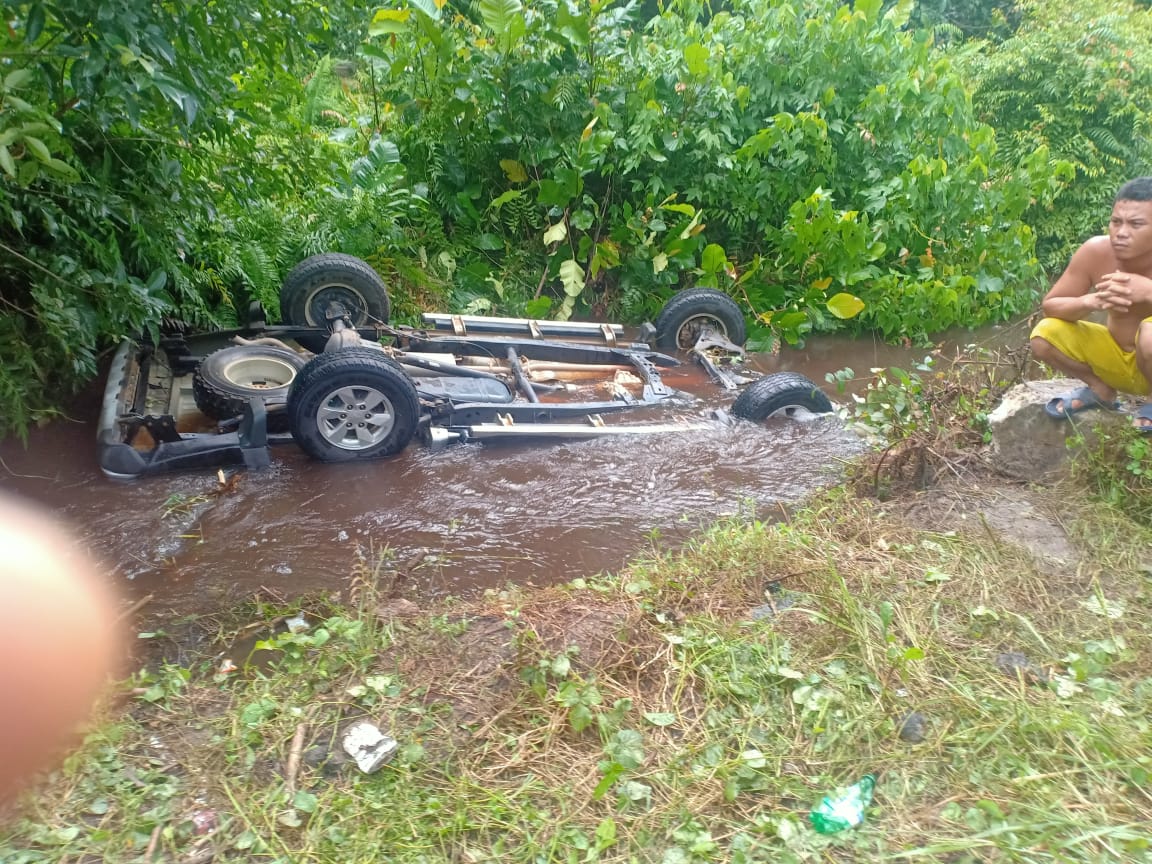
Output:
(1112, 274)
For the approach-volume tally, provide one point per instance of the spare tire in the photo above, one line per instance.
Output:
(353, 404)
(781, 394)
(316, 282)
(226, 379)
(690, 312)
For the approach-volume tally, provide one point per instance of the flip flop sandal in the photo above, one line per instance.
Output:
(1061, 407)
(1144, 412)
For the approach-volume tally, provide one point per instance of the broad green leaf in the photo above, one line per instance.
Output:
(686, 209)
(27, 170)
(290, 819)
(693, 227)
(696, 56)
(553, 194)
(899, 14)
(580, 717)
(498, 15)
(713, 259)
(845, 305)
(869, 8)
(35, 129)
(659, 262)
(517, 27)
(7, 162)
(626, 749)
(35, 25)
(753, 758)
(635, 791)
(605, 834)
(572, 277)
(501, 200)
(38, 148)
(659, 718)
(17, 78)
(582, 220)
(574, 28)
(19, 104)
(790, 320)
(555, 234)
(389, 21)
(611, 775)
(514, 171)
(157, 280)
(609, 253)
(538, 307)
(304, 801)
(431, 8)
(62, 169)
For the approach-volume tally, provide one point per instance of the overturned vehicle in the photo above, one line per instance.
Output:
(344, 384)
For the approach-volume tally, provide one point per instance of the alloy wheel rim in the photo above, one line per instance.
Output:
(355, 417)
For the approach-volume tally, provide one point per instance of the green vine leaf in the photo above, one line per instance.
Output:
(555, 234)
(696, 56)
(514, 171)
(713, 259)
(572, 277)
(845, 306)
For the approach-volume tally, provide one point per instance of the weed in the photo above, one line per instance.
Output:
(927, 419)
(1117, 468)
(650, 716)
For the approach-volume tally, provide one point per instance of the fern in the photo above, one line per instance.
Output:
(567, 91)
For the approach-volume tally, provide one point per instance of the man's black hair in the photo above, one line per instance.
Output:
(1139, 189)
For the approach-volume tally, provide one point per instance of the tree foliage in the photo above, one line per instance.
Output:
(1076, 79)
(821, 162)
(122, 123)
(967, 18)
(809, 149)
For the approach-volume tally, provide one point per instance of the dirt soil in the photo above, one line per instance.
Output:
(1011, 512)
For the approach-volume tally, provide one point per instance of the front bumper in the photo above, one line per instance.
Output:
(126, 421)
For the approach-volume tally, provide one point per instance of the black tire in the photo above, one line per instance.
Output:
(682, 319)
(315, 282)
(226, 379)
(781, 394)
(352, 404)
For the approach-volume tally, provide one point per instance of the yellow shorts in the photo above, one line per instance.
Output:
(1091, 343)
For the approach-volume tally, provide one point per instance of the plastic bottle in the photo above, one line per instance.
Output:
(845, 809)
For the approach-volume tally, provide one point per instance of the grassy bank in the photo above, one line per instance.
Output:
(693, 708)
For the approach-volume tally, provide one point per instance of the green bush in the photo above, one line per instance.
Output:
(124, 124)
(1075, 78)
(822, 163)
(818, 161)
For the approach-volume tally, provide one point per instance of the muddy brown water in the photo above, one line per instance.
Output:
(458, 520)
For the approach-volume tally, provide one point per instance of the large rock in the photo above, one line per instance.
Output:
(1028, 444)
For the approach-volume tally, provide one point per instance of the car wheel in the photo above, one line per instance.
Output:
(782, 394)
(226, 379)
(690, 312)
(352, 404)
(316, 282)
